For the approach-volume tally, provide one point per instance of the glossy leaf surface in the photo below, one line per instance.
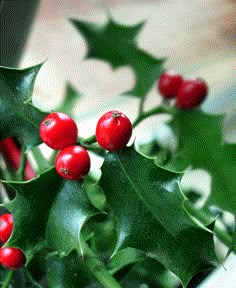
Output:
(148, 206)
(18, 117)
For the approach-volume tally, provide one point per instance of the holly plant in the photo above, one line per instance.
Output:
(129, 221)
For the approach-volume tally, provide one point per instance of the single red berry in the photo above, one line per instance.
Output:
(12, 258)
(113, 130)
(58, 130)
(168, 84)
(73, 163)
(191, 93)
(6, 227)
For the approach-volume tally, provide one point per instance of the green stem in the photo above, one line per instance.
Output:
(156, 110)
(141, 106)
(91, 144)
(21, 169)
(88, 141)
(204, 218)
(97, 267)
(7, 280)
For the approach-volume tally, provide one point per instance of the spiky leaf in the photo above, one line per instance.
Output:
(117, 44)
(48, 211)
(201, 145)
(18, 117)
(148, 206)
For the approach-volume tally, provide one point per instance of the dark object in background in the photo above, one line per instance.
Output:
(16, 17)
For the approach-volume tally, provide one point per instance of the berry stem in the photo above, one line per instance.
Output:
(6, 282)
(154, 111)
(97, 267)
(88, 144)
(141, 106)
(89, 140)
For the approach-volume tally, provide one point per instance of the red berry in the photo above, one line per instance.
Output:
(113, 130)
(191, 93)
(58, 130)
(168, 84)
(6, 227)
(12, 258)
(73, 163)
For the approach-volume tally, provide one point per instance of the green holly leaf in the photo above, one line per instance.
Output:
(68, 272)
(151, 273)
(48, 208)
(117, 44)
(30, 209)
(69, 212)
(145, 199)
(18, 117)
(200, 144)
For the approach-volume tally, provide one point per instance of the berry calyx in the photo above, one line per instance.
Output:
(168, 84)
(113, 130)
(12, 258)
(73, 163)
(6, 227)
(58, 130)
(191, 93)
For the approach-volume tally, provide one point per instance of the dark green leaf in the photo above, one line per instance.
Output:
(48, 207)
(145, 199)
(95, 194)
(116, 43)
(70, 210)
(68, 272)
(18, 116)
(149, 273)
(30, 209)
(201, 145)
(125, 257)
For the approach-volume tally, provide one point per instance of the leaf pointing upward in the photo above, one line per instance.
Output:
(18, 117)
(116, 44)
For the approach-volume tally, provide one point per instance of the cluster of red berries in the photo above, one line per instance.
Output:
(59, 131)
(189, 93)
(10, 257)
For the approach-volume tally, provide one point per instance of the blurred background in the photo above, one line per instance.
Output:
(197, 37)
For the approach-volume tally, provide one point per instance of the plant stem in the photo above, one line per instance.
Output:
(88, 144)
(97, 267)
(156, 110)
(7, 280)
(21, 169)
(141, 106)
(90, 140)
